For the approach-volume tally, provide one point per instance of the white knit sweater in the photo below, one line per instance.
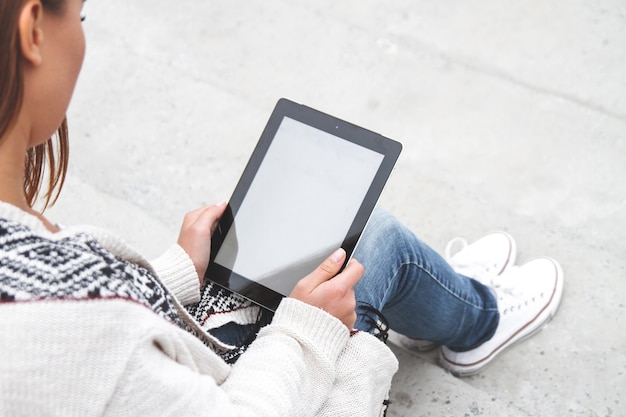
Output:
(104, 349)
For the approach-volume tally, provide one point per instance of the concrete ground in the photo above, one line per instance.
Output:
(512, 115)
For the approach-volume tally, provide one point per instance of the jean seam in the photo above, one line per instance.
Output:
(441, 284)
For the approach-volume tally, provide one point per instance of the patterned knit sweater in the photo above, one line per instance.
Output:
(91, 328)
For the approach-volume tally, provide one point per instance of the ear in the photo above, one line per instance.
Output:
(31, 32)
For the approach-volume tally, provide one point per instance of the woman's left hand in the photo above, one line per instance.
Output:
(195, 235)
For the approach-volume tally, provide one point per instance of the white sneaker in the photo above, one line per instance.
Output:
(485, 260)
(528, 296)
(416, 345)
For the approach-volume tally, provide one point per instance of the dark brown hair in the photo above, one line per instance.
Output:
(50, 159)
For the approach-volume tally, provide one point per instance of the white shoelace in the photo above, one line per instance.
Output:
(486, 272)
(509, 293)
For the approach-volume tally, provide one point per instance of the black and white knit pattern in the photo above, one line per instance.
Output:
(215, 299)
(76, 267)
(218, 301)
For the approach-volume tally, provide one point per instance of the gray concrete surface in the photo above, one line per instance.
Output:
(512, 115)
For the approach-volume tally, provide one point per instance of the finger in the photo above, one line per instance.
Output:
(216, 213)
(352, 273)
(207, 217)
(192, 216)
(327, 270)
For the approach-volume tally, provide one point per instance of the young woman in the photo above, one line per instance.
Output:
(90, 327)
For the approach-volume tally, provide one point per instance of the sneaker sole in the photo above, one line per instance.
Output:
(541, 319)
(512, 251)
(417, 345)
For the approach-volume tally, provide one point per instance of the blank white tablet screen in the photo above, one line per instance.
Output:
(299, 206)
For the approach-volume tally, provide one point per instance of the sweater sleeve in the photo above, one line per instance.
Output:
(364, 372)
(297, 352)
(175, 269)
(288, 371)
(113, 357)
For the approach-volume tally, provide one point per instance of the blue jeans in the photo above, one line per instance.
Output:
(414, 288)
(417, 291)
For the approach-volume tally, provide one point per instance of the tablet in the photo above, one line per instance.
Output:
(309, 188)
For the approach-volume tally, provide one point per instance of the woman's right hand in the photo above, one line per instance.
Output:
(332, 292)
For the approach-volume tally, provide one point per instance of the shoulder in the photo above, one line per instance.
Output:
(37, 266)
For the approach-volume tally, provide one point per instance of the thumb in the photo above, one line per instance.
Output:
(327, 270)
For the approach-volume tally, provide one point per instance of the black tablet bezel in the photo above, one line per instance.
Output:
(390, 149)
